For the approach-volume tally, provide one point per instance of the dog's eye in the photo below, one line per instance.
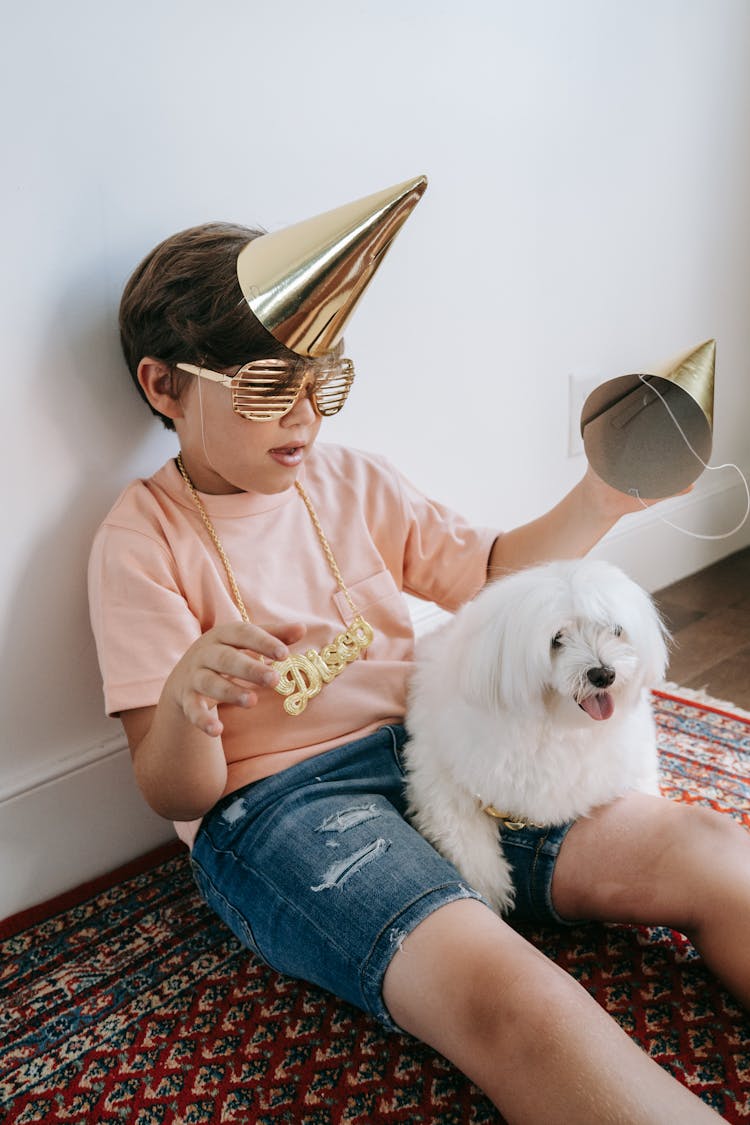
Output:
(557, 640)
(617, 630)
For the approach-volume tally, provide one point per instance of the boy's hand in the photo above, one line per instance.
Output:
(224, 666)
(611, 502)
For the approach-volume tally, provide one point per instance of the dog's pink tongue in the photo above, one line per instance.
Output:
(599, 706)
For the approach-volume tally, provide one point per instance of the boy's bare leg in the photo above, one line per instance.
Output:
(649, 860)
(523, 1030)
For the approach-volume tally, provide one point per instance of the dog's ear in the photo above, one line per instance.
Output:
(648, 634)
(504, 646)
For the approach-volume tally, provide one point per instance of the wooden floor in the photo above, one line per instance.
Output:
(708, 615)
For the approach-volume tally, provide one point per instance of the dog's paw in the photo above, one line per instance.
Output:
(452, 822)
(477, 853)
(496, 885)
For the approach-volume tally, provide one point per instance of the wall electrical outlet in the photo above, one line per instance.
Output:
(579, 389)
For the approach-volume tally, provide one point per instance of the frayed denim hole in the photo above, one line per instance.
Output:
(339, 873)
(233, 813)
(349, 817)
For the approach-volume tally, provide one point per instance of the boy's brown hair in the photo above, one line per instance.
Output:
(183, 304)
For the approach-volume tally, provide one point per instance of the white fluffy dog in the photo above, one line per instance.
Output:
(531, 706)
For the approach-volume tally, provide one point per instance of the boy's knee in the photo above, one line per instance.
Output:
(444, 968)
(482, 984)
(527, 999)
(518, 1014)
(707, 837)
(709, 848)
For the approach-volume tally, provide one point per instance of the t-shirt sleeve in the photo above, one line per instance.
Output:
(445, 557)
(141, 621)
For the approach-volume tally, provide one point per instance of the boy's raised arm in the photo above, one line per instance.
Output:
(567, 531)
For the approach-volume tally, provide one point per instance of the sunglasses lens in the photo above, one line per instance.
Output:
(256, 394)
(333, 386)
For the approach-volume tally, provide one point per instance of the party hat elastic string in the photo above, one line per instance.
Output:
(709, 468)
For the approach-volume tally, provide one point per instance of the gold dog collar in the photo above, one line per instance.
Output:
(509, 820)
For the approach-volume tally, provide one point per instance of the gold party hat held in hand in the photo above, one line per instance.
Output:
(651, 434)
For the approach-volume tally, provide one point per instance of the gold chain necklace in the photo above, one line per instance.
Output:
(301, 676)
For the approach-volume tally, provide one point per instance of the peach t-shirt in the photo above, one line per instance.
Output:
(156, 583)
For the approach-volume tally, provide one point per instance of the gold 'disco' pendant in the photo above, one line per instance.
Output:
(302, 676)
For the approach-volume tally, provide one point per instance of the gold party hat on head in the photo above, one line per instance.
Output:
(303, 282)
(651, 434)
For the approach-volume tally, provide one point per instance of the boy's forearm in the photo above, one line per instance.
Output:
(569, 530)
(180, 770)
(177, 750)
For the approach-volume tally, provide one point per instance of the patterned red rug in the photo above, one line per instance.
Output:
(127, 1000)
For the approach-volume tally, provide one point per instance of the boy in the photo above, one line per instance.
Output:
(271, 731)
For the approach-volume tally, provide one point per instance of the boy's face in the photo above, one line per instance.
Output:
(224, 452)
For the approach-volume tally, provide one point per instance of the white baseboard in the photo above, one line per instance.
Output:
(80, 817)
(23, 782)
(72, 826)
(656, 555)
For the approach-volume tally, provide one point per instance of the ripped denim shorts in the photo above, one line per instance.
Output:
(316, 870)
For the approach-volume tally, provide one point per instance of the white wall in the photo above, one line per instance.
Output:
(590, 171)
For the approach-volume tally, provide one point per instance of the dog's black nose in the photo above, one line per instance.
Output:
(602, 676)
